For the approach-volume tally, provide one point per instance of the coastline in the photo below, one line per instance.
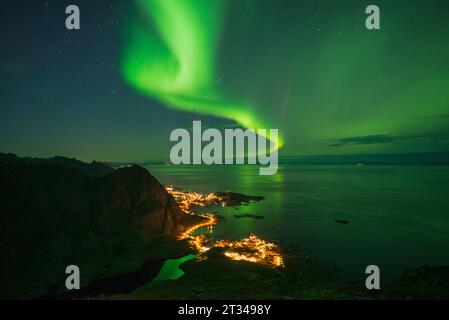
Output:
(299, 278)
(212, 275)
(121, 263)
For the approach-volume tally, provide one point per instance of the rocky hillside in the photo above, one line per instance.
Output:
(53, 213)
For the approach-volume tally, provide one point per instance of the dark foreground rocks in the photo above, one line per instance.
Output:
(217, 277)
(61, 211)
(425, 282)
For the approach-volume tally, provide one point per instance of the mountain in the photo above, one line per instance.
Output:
(59, 211)
(91, 169)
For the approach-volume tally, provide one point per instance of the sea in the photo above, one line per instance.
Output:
(395, 217)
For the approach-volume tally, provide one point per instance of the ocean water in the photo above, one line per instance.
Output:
(398, 215)
(170, 269)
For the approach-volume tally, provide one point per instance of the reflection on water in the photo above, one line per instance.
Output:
(398, 215)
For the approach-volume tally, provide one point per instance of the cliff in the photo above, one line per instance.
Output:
(86, 214)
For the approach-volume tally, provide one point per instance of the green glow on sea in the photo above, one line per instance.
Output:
(170, 269)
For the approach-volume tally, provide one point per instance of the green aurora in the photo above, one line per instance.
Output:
(176, 65)
(328, 83)
(138, 69)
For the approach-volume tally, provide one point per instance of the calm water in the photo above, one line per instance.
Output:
(170, 269)
(399, 215)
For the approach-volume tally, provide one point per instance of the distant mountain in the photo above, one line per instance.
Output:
(145, 163)
(60, 211)
(91, 169)
(418, 158)
(425, 158)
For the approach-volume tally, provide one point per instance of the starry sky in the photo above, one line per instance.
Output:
(136, 70)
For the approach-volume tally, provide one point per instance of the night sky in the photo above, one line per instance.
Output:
(136, 70)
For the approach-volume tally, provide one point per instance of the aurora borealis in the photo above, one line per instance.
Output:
(178, 66)
(123, 150)
(138, 69)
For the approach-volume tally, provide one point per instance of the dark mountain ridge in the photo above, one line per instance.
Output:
(60, 210)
